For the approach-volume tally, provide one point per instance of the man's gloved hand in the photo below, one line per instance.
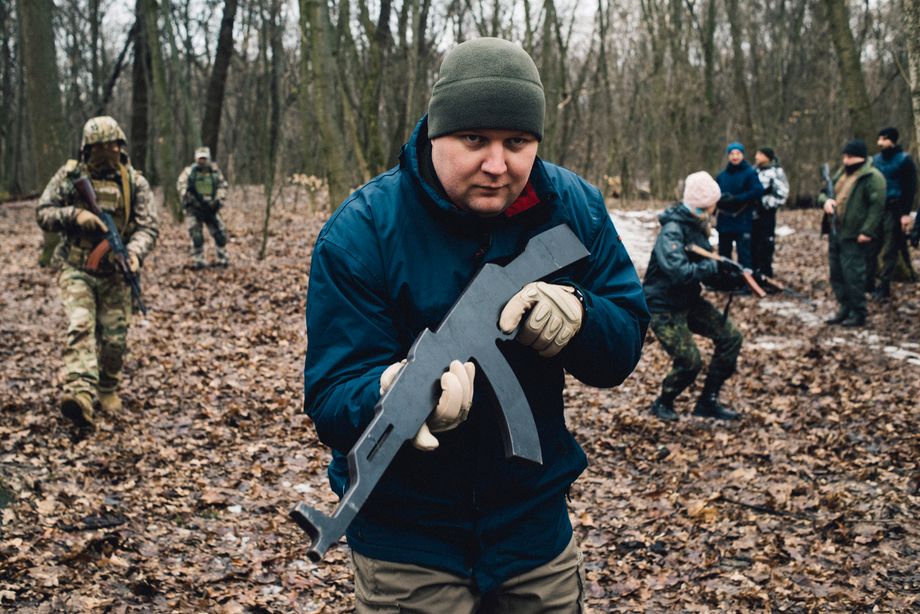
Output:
(728, 268)
(726, 198)
(89, 221)
(555, 315)
(453, 406)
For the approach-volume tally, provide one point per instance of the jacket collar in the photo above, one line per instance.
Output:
(539, 192)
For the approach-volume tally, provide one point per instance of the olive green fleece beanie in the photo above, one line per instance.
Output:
(487, 83)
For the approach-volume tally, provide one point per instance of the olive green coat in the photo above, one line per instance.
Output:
(865, 206)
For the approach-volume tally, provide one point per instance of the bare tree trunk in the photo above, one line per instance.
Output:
(163, 111)
(318, 69)
(274, 128)
(140, 104)
(912, 25)
(854, 84)
(214, 100)
(42, 88)
(740, 71)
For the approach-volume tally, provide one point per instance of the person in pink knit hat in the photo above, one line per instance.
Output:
(673, 293)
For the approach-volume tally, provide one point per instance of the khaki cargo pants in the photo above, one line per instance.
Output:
(554, 588)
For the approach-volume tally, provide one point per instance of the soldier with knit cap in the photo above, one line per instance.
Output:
(741, 193)
(454, 526)
(673, 293)
(855, 214)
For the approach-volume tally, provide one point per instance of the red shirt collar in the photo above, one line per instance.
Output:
(525, 201)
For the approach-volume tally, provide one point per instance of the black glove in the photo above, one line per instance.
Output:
(728, 268)
(726, 199)
(769, 189)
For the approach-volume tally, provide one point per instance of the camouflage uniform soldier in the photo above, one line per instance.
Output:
(203, 190)
(672, 290)
(96, 299)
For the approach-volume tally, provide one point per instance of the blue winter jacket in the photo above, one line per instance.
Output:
(742, 182)
(390, 262)
(900, 178)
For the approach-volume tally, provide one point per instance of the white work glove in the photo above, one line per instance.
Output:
(89, 221)
(453, 406)
(555, 316)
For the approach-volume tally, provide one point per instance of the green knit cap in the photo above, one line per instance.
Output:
(487, 83)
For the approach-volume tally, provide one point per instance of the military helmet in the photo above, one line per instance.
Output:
(102, 129)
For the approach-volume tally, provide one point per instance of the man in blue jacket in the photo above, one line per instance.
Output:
(901, 189)
(741, 193)
(453, 525)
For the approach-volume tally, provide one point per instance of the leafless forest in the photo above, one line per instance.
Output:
(643, 90)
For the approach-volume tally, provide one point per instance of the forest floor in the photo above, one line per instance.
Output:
(179, 503)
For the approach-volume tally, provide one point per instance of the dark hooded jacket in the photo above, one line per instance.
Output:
(672, 279)
(390, 262)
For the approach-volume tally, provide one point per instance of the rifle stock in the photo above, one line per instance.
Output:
(746, 274)
(112, 242)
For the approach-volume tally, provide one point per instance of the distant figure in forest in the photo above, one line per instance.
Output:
(854, 217)
(203, 191)
(96, 298)
(901, 189)
(453, 525)
(741, 193)
(673, 292)
(775, 192)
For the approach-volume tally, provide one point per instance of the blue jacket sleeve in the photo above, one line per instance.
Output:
(608, 346)
(753, 189)
(350, 341)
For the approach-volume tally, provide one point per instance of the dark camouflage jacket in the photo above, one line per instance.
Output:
(672, 280)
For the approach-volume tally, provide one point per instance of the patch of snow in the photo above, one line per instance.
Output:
(784, 231)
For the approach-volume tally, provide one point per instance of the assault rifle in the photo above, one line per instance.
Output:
(209, 209)
(745, 273)
(111, 243)
(468, 332)
(829, 191)
(775, 283)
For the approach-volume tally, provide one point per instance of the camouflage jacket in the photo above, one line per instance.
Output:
(189, 173)
(59, 204)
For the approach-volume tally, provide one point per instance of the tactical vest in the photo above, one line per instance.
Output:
(205, 182)
(889, 168)
(114, 195)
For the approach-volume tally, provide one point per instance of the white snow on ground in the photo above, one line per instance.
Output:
(638, 230)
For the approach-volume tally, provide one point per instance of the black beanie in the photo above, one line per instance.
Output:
(487, 83)
(856, 148)
(768, 151)
(891, 133)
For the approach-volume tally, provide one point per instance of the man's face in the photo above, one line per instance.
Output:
(884, 143)
(849, 160)
(202, 162)
(484, 171)
(761, 159)
(735, 156)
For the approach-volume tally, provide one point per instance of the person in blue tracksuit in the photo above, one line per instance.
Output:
(453, 525)
(741, 193)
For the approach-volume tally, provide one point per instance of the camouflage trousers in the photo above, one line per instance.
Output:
(674, 330)
(98, 311)
(215, 226)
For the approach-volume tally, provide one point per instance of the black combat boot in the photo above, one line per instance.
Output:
(708, 406)
(882, 292)
(663, 410)
(854, 321)
(841, 315)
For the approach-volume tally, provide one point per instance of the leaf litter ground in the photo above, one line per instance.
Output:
(179, 503)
